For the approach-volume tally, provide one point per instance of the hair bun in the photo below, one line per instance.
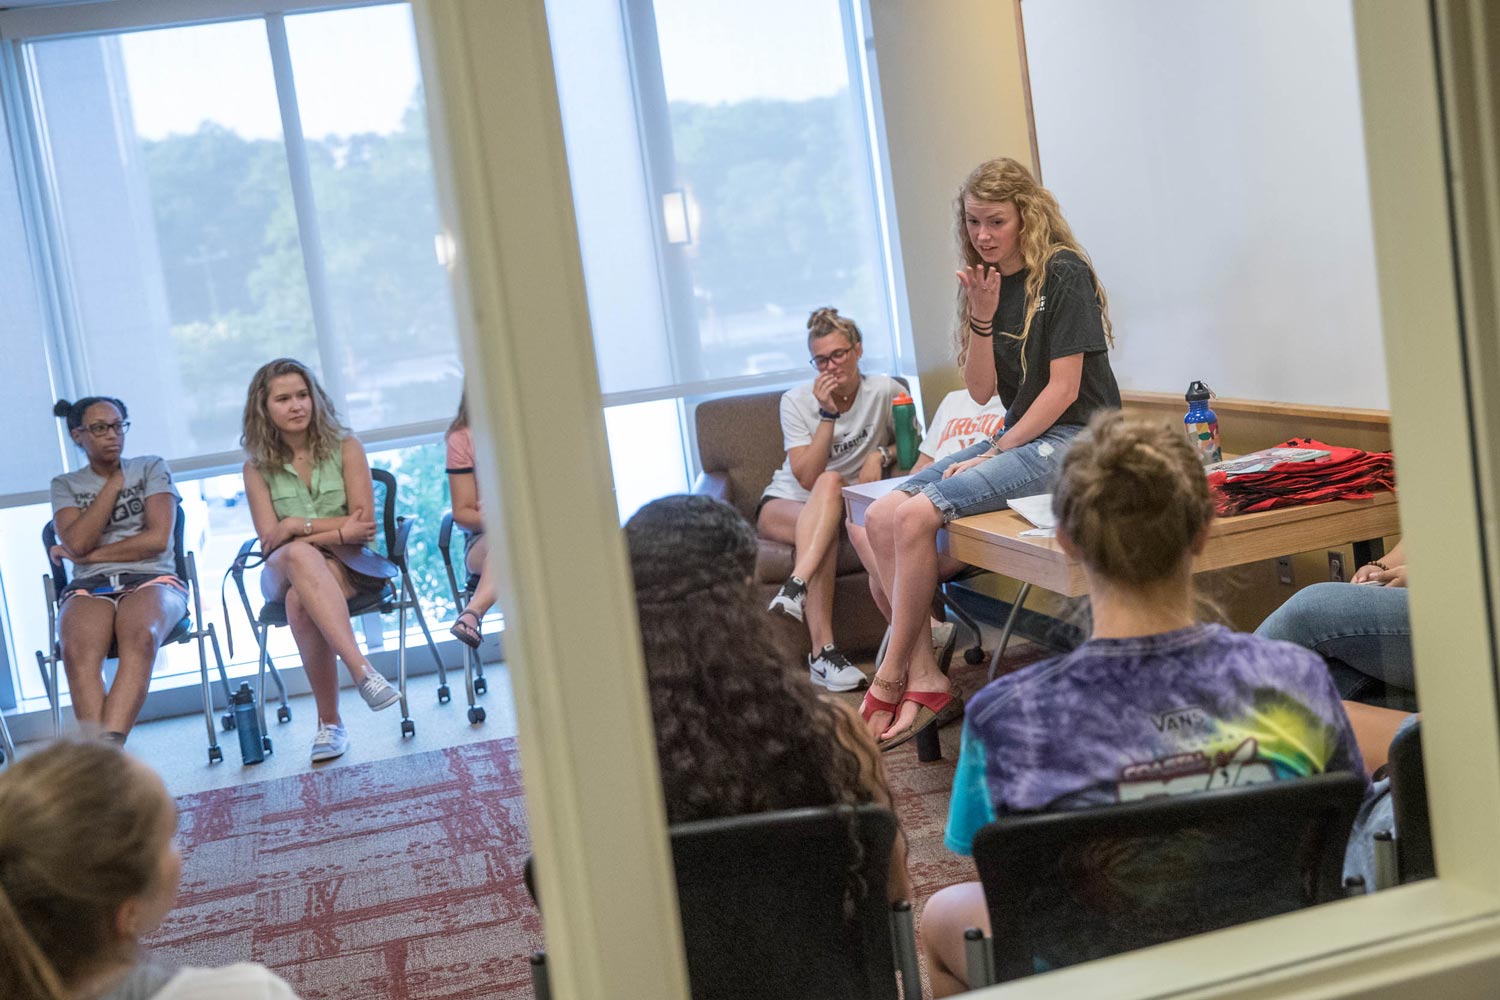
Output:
(61, 408)
(824, 318)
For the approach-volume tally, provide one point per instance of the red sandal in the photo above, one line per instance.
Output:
(871, 704)
(933, 709)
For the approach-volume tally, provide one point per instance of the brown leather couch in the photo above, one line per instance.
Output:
(739, 447)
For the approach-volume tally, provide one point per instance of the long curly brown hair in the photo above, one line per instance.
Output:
(1044, 232)
(737, 731)
(259, 437)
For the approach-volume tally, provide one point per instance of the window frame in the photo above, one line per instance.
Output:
(610, 925)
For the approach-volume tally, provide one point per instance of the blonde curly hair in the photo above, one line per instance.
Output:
(263, 444)
(1044, 232)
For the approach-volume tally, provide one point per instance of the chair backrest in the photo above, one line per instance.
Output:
(1414, 858)
(740, 437)
(60, 571)
(762, 899)
(383, 482)
(1075, 885)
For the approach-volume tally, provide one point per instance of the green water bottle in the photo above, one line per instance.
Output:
(904, 415)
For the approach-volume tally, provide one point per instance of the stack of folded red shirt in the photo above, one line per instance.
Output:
(1344, 474)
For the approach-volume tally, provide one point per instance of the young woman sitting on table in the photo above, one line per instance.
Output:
(1132, 505)
(737, 732)
(467, 515)
(308, 484)
(1034, 327)
(837, 430)
(114, 519)
(88, 868)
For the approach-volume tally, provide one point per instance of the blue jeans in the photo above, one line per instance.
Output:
(1363, 631)
(1020, 472)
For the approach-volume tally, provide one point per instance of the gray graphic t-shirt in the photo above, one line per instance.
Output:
(145, 476)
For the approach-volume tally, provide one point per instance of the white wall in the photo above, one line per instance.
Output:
(1210, 158)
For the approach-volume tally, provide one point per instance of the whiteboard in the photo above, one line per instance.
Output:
(1210, 158)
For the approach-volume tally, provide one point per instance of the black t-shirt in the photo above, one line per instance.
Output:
(1068, 321)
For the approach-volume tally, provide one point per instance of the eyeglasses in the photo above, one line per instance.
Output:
(821, 361)
(100, 430)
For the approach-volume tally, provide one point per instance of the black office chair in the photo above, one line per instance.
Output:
(184, 631)
(1404, 853)
(1080, 884)
(398, 597)
(474, 682)
(762, 899)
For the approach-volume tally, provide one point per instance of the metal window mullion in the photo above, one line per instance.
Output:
(110, 16)
(46, 238)
(309, 235)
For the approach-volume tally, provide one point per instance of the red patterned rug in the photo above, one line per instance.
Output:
(401, 878)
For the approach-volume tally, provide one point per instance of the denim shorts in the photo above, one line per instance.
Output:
(1020, 472)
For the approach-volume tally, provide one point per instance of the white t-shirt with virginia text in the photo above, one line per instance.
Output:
(960, 422)
(866, 426)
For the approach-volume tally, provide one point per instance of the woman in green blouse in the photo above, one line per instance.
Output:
(308, 484)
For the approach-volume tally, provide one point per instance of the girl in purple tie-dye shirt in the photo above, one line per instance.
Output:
(1155, 703)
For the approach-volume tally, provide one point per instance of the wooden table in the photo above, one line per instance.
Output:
(993, 541)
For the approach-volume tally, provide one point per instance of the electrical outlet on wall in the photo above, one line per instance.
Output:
(1284, 571)
(1336, 567)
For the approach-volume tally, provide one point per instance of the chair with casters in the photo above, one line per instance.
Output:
(397, 596)
(1404, 853)
(186, 569)
(764, 911)
(1080, 884)
(474, 682)
(7, 745)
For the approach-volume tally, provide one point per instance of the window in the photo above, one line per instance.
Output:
(724, 184)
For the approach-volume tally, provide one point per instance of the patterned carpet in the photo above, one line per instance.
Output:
(401, 878)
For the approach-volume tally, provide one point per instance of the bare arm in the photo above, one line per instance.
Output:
(79, 529)
(979, 369)
(150, 542)
(465, 492)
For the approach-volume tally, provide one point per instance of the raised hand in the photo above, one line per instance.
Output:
(981, 285)
(823, 387)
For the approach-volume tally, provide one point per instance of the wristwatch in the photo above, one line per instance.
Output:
(828, 414)
(885, 455)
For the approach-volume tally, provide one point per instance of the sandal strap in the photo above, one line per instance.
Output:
(871, 704)
(934, 700)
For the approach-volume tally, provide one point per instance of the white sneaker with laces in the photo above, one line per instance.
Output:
(377, 692)
(832, 670)
(332, 741)
(790, 599)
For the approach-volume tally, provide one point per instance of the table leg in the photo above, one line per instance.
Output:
(1010, 624)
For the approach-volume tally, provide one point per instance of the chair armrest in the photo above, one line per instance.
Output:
(445, 534)
(904, 937)
(714, 484)
(397, 554)
(980, 958)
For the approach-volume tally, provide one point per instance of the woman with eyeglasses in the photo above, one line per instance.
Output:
(114, 520)
(837, 430)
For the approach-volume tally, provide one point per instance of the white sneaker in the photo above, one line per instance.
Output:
(377, 693)
(832, 670)
(789, 599)
(942, 635)
(330, 742)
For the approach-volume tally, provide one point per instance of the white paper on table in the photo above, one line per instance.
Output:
(1037, 509)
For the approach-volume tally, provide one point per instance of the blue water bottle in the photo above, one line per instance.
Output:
(1202, 424)
(247, 724)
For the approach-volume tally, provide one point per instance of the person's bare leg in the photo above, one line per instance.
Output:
(818, 525)
(324, 590)
(917, 525)
(890, 675)
(484, 590)
(87, 625)
(861, 540)
(817, 609)
(143, 619)
(317, 659)
(948, 914)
